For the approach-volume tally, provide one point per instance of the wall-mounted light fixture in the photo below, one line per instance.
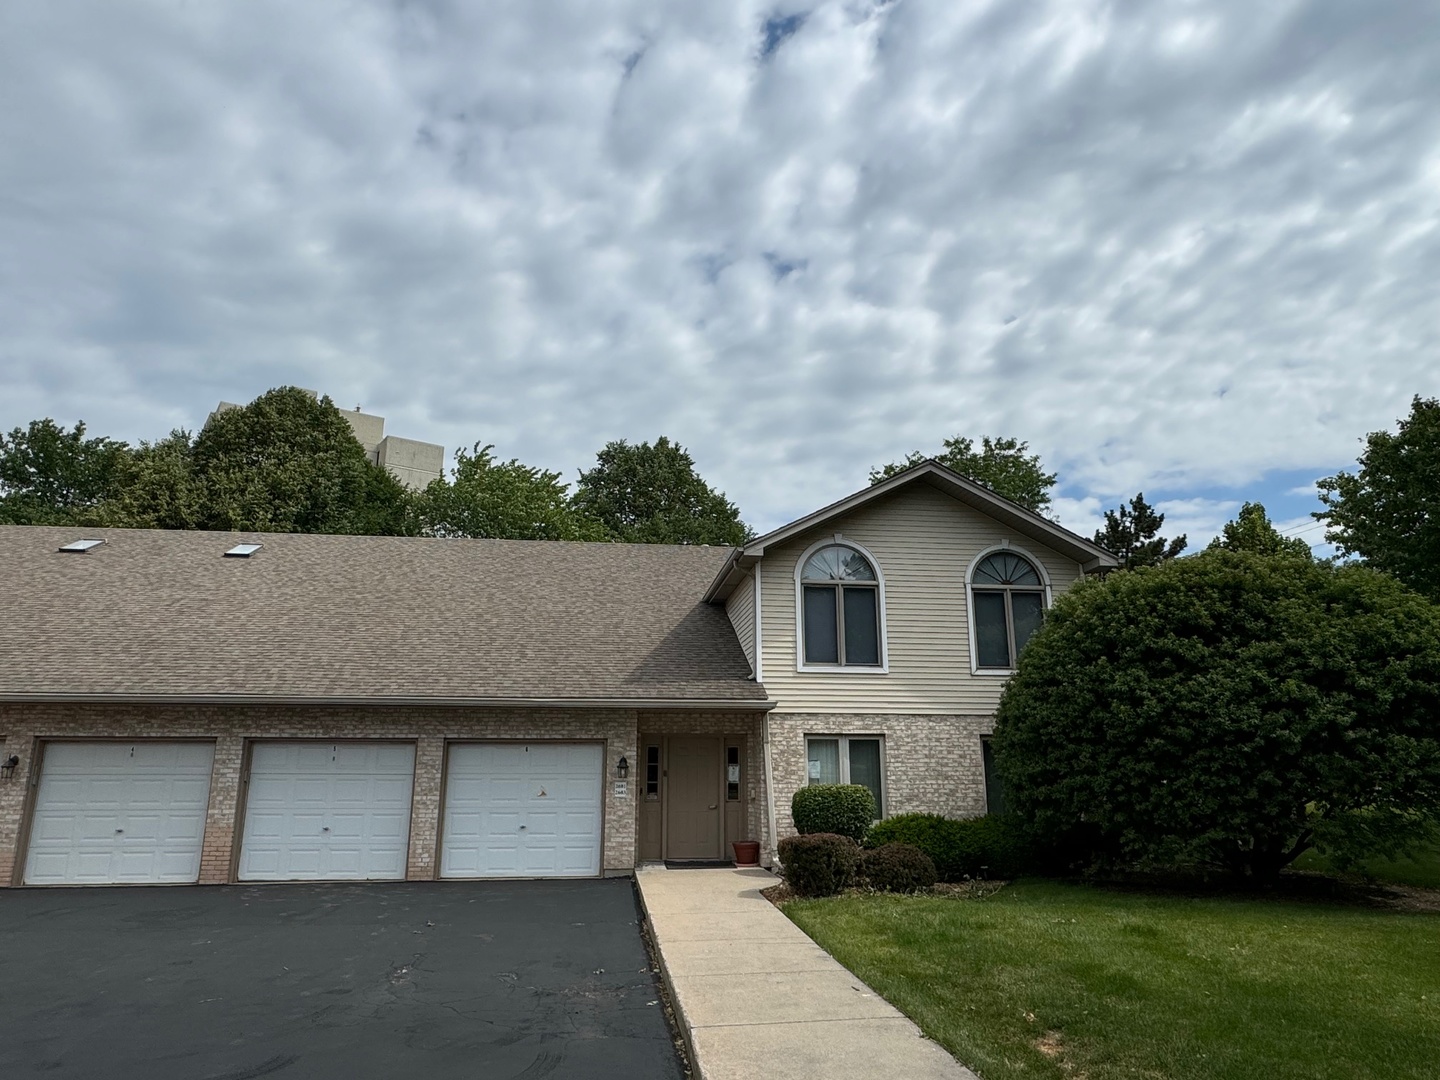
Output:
(7, 767)
(622, 768)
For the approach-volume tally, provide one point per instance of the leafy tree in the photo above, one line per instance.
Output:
(1253, 531)
(1228, 710)
(485, 497)
(1132, 534)
(161, 489)
(51, 476)
(1003, 465)
(290, 463)
(651, 494)
(1389, 512)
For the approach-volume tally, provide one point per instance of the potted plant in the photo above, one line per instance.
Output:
(747, 852)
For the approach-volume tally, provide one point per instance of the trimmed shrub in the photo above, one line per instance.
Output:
(819, 864)
(993, 846)
(846, 809)
(897, 868)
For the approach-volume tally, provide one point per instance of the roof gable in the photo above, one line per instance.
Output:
(1026, 522)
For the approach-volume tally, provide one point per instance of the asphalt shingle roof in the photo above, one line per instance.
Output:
(357, 617)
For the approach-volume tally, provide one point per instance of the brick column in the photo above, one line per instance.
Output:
(12, 803)
(424, 862)
(222, 812)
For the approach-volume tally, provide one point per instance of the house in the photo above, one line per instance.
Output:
(412, 462)
(213, 707)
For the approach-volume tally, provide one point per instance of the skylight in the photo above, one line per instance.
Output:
(242, 551)
(81, 545)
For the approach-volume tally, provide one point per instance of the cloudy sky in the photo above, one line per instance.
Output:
(1188, 247)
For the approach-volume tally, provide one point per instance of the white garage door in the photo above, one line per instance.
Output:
(319, 811)
(522, 810)
(116, 813)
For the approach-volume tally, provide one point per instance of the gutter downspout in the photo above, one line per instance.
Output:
(770, 796)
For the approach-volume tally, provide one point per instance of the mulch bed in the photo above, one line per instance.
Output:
(781, 894)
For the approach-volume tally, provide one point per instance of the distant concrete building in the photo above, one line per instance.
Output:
(410, 461)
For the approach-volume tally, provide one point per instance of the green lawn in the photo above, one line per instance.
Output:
(1050, 980)
(1422, 871)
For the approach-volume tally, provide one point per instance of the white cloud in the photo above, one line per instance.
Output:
(1174, 248)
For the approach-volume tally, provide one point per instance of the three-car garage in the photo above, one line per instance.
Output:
(135, 811)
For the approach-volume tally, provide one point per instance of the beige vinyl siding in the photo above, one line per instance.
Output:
(924, 541)
(741, 609)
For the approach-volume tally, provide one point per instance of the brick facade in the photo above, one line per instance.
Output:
(933, 763)
(24, 728)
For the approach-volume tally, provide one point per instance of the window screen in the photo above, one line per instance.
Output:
(821, 644)
(862, 627)
(1028, 609)
(865, 768)
(994, 786)
(992, 643)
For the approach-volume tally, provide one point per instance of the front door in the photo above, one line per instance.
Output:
(692, 799)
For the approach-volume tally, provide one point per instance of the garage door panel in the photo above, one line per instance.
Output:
(119, 812)
(331, 811)
(522, 810)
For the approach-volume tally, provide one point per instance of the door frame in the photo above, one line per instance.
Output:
(665, 792)
(444, 794)
(32, 797)
(242, 795)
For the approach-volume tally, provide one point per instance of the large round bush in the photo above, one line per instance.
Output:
(1228, 710)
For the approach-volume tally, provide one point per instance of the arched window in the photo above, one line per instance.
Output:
(1008, 602)
(840, 608)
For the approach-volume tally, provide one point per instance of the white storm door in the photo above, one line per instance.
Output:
(522, 810)
(320, 811)
(110, 813)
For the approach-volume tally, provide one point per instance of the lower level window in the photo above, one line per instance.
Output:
(847, 759)
(994, 786)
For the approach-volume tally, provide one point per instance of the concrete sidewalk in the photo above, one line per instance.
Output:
(756, 997)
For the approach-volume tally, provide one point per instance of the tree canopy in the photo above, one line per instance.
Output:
(510, 500)
(644, 493)
(288, 462)
(1388, 513)
(1133, 535)
(1228, 710)
(53, 476)
(1003, 465)
(1253, 531)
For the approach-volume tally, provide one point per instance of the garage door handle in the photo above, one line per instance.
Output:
(118, 831)
(522, 826)
(325, 829)
(713, 805)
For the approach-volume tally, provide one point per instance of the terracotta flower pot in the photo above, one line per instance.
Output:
(747, 852)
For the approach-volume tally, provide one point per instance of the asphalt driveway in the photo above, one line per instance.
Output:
(421, 979)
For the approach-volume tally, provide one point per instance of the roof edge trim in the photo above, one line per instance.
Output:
(932, 468)
(715, 704)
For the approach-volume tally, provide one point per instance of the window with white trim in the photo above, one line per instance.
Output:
(1007, 603)
(839, 609)
(848, 759)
